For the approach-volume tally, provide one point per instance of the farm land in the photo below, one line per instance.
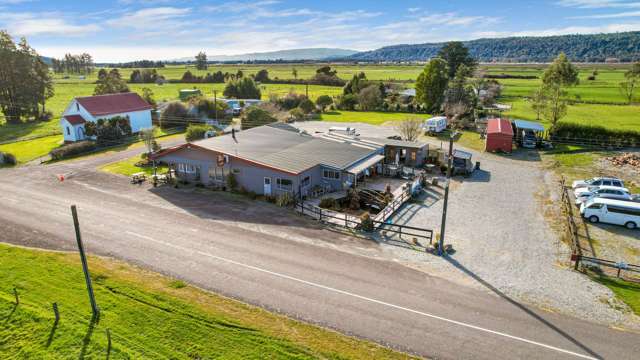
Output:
(593, 102)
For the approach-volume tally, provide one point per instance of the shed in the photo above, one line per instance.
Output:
(499, 135)
(187, 93)
(528, 134)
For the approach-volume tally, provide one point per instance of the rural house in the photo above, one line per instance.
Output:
(91, 108)
(277, 158)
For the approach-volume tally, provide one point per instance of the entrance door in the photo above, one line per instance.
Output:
(267, 186)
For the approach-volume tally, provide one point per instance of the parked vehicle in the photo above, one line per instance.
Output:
(344, 130)
(598, 181)
(607, 192)
(435, 125)
(611, 211)
(529, 139)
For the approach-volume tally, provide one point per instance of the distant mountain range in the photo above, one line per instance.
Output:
(285, 55)
(585, 48)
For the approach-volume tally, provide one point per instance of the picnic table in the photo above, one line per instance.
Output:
(138, 178)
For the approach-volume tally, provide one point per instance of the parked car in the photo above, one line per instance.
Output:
(598, 181)
(611, 211)
(608, 192)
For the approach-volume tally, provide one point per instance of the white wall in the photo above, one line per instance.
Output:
(138, 119)
(64, 124)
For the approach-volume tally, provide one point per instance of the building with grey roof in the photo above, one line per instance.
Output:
(276, 158)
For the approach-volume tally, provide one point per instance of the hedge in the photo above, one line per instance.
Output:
(595, 134)
(69, 150)
(7, 158)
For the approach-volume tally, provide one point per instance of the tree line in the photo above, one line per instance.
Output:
(73, 64)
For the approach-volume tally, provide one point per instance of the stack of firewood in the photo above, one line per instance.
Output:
(626, 159)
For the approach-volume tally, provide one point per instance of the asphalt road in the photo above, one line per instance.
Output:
(258, 254)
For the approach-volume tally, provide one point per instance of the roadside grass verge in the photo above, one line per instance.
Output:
(148, 317)
(29, 150)
(127, 167)
(468, 139)
(369, 117)
(628, 292)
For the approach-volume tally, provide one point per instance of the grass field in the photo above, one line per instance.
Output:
(127, 167)
(149, 316)
(369, 117)
(29, 150)
(626, 291)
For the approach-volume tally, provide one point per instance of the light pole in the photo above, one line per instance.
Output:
(446, 197)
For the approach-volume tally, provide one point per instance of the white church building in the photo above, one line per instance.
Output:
(92, 108)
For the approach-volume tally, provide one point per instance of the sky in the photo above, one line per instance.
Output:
(125, 30)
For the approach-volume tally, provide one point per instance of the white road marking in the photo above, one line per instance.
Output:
(380, 302)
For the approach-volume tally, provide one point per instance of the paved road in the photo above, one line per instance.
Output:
(253, 252)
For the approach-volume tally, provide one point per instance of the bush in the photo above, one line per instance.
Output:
(353, 199)
(196, 132)
(307, 106)
(328, 203)
(174, 114)
(285, 199)
(232, 182)
(7, 159)
(244, 88)
(255, 116)
(366, 222)
(77, 148)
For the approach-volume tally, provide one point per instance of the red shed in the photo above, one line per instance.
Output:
(499, 135)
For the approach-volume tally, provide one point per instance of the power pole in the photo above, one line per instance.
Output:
(446, 198)
(85, 267)
(306, 91)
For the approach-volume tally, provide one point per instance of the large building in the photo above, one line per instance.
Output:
(91, 108)
(278, 158)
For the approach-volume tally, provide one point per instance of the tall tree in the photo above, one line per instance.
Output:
(294, 72)
(456, 54)
(25, 83)
(559, 75)
(432, 84)
(110, 83)
(632, 78)
(201, 61)
(538, 102)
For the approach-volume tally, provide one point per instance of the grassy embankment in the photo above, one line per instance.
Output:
(127, 167)
(149, 316)
(628, 292)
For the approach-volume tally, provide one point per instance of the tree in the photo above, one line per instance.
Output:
(410, 129)
(323, 101)
(262, 76)
(174, 114)
(555, 107)
(307, 106)
(538, 101)
(294, 72)
(209, 109)
(196, 132)
(147, 95)
(561, 72)
(201, 61)
(454, 53)
(432, 84)
(255, 116)
(148, 137)
(370, 98)
(347, 102)
(296, 114)
(244, 88)
(111, 83)
(357, 83)
(627, 89)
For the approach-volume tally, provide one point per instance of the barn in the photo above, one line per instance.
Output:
(499, 135)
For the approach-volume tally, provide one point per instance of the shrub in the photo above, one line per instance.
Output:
(270, 198)
(328, 203)
(77, 148)
(307, 106)
(7, 159)
(252, 195)
(255, 116)
(196, 132)
(285, 199)
(323, 101)
(174, 114)
(290, 101)
(244, 88)
(232, 182)
(353, 199)
(366, 222)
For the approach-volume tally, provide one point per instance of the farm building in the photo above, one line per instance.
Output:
(528, 134)
(91, 108)
(499, 135)
(277, 158)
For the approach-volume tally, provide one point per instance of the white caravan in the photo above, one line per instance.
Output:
(435, 124)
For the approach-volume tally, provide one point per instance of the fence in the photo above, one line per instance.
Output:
(619, 266)
(352, 223)
(394, 205)
(612, 143)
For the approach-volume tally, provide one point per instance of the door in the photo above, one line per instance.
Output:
(267, 186)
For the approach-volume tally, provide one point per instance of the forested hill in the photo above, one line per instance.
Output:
(584, 48)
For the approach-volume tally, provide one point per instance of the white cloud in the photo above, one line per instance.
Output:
(608, 28)
(38, 24)
(609, 16)
(599, 4)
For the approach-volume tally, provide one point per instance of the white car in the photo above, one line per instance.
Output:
(598, 181)
(607, 192)
(611, 211)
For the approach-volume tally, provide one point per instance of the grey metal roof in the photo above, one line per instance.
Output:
(529, 125)
(279, 147)
(392, 142)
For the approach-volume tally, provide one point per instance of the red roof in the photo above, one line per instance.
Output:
(499, 126)
(75, 119)
(113, 103)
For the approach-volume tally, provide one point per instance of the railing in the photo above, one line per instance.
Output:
(572, 228)
(619, 266)
(393, 206)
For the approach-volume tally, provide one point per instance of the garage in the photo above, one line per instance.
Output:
(499, 135)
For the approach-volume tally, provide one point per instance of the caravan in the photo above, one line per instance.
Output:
(435, 124)
(610, 211)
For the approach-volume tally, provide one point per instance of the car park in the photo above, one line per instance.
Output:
(611, 211)
(598, 181)
(608, 192)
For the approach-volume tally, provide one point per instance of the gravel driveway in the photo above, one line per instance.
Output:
(501, 239)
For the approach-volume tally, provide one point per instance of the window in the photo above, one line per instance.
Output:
(306, 181)
(617, 183)
(413, 155)
(622, 210)
(68, 130)
(187, 168)
(595, 206)
(216, 173)
(331, 174)
(77, 107)
(284, 184)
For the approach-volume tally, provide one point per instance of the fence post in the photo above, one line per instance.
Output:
(108, 342)
(345, 221)
(56, 312)
(320, 214)
(15, 293)
(575, 267)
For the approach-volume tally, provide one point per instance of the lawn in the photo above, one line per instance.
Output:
(369, 117)
(628, 292)
(148, 315)
(127, 167)
(29, 150)
(468, 139)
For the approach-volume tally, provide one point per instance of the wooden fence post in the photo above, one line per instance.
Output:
(108, 342)
(15, 293)
(56, 312)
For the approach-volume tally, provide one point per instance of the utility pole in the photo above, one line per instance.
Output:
(306, 91)
(446, 198)
(85, 267)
